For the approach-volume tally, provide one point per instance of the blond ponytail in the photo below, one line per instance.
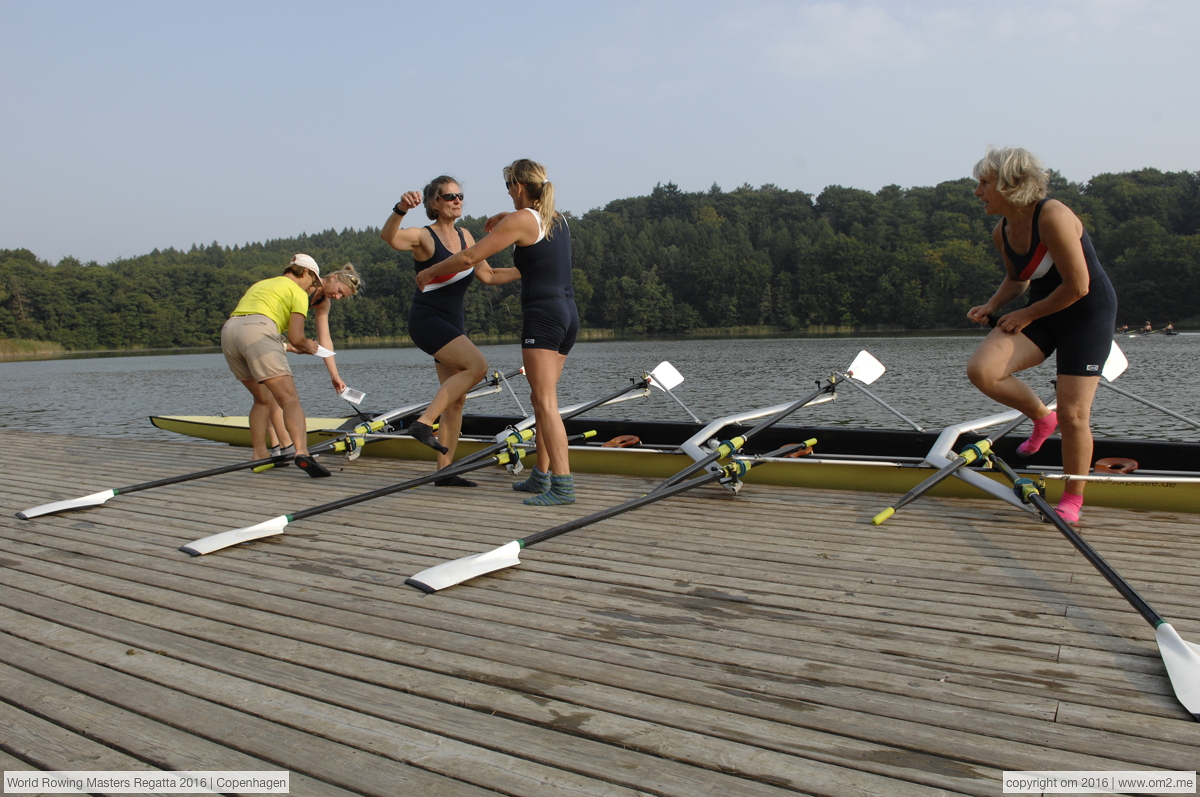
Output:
(532, 175)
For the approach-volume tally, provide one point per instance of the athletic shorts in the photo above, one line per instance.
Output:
(550, 324)
(253, 348)
(431, 329)
(1083, 338)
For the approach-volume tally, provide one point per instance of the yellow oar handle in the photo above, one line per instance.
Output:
(262, 468)
(882, 516)
(586, 435)
(367, 428)
(976, 451)
(523, 436)
(730, 447)
(504, 457)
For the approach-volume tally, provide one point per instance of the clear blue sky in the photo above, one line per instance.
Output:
(134, 125)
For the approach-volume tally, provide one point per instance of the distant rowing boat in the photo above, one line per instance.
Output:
(875, 460)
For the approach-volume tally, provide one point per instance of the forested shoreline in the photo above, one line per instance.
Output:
(668, 263)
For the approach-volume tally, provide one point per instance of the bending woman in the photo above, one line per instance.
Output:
(253, 343)
(551, 320)
(1072, 309)
(341, 284)
(436, 321)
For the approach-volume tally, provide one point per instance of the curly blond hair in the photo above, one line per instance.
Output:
(1019, 175)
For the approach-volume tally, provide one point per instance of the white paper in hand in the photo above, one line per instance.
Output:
(323, 352)
(352, 395)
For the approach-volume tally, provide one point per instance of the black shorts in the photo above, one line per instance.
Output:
(431, 329)
(550, 324)
(1082, 336)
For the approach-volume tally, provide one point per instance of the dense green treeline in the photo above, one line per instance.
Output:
(666, 263)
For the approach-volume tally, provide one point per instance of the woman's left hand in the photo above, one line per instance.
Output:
(1014, 322)
(423, 279)
(338, 384)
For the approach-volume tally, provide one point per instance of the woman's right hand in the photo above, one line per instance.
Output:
(979, 315)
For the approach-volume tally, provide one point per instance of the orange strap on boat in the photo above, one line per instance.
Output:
(622, 441)
(801, 452)
(1115, 465)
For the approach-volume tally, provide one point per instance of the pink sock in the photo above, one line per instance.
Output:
(1042, 429)
(1069, 507)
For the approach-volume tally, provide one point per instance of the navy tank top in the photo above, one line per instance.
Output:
(446, 292)
(545, 266)
(1037, 266)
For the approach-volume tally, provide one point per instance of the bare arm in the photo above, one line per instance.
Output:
(1060, 231)
(321, 316)
(296, 337)
(1010, 288)
(404, 240)
(488, 275)
(516, 228)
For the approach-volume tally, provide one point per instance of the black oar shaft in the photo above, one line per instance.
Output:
(566, 416)
(479, 459)
(700, 464)
(1122, 586)
(636, 503)
(256, 463)
(948, 470)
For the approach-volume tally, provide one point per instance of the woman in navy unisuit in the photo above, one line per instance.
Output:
(550, 318)
(436, 320)
(1072, 309)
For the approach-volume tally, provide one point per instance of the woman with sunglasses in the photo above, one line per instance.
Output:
(551, 320)
(436, 321)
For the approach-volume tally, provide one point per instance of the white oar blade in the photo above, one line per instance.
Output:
(447, 574)
(216, 542)
(865, 368)
(1116, 363)
(95, 499)
(1183, 666)
(665, 376)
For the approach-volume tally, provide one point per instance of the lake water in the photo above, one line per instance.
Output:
(924, 379)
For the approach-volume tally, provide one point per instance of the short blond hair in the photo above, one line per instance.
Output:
(1019, 175)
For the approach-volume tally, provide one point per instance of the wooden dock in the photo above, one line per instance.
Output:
(767, 644)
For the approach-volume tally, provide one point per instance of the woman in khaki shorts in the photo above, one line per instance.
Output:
(253, 341)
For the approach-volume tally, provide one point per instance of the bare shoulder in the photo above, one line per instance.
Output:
(998, 235)
(1057, 216)
(470, 239)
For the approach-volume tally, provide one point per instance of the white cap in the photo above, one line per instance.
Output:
(304, 261)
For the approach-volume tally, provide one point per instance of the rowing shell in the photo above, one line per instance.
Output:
(873, 460)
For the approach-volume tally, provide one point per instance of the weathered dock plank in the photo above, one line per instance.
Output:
(768, 643)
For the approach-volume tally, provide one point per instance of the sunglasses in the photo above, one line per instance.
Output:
(510, 183)
(451, 197)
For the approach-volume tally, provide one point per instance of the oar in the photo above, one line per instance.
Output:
(447, 574)
(865, 368)
(1114, 366)
(1181, 657)
(972, 453)
(502, 452)
(1113, 355)
(349, 442)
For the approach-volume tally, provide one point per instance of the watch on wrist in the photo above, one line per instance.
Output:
(396, 209)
